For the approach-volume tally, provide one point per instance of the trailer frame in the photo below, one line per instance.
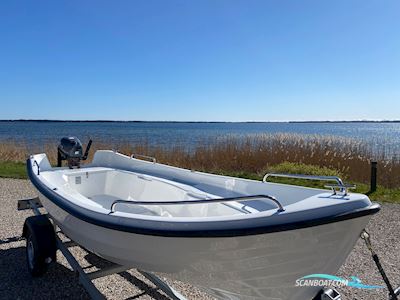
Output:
(85, 279)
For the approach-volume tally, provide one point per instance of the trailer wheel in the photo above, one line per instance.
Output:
(40, 244)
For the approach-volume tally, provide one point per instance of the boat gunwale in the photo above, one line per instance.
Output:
(178, 229)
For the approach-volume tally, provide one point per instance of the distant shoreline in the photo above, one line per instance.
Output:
(204, 122)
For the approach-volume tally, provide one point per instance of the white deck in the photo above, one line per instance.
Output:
(98, 185)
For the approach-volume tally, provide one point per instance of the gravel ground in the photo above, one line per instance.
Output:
(384, 228)
(60, 282)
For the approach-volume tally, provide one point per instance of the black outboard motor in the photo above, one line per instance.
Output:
(70, 149)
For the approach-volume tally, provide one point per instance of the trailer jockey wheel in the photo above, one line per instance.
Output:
(40, 244)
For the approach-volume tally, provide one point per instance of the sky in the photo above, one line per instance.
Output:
(200, 60)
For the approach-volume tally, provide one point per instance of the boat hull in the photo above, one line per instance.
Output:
(260, 266)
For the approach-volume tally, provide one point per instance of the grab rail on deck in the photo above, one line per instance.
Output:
(201, 201)
(343, 187)
(135, 155)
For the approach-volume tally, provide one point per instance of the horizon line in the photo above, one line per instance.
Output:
(165, 121)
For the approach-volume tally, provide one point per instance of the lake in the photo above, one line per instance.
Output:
(380, 135)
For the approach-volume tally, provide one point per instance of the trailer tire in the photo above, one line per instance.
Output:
(40, 244)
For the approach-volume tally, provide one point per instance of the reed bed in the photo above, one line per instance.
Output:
(254, 154)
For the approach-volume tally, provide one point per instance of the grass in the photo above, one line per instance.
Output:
(13, 169)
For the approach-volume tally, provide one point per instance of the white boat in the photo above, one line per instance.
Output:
(232, 237)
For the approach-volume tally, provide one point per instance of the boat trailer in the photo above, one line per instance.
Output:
(42, 235)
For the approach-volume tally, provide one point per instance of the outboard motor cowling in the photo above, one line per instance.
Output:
(71, 150)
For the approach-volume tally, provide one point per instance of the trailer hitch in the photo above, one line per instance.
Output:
(393, 294)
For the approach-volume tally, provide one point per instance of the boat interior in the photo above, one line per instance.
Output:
(120, 185)
(102, 187)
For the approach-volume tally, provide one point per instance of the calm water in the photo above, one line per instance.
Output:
(385, 135)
